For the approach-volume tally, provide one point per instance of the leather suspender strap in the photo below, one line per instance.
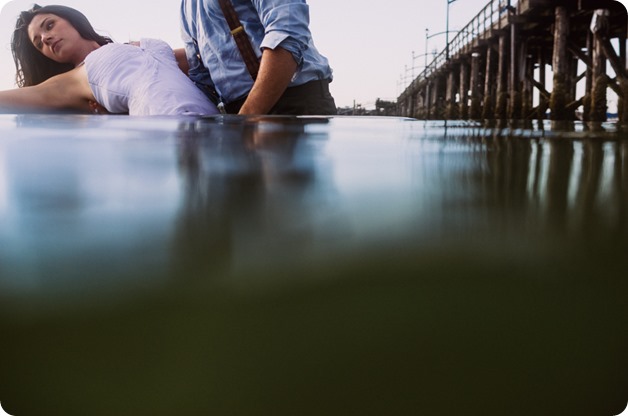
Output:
(240, 37)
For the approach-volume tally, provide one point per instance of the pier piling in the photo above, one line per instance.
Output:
(528, 59)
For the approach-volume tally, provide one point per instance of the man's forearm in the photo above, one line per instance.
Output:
(276, 70)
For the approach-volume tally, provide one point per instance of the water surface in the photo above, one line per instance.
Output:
(311, 266)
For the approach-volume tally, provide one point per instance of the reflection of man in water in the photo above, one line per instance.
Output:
(245, 183)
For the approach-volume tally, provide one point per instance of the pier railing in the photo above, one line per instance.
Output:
(492, 17)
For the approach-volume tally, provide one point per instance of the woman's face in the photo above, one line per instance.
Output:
(55, 38)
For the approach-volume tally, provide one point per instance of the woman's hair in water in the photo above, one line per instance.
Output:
(32, 67)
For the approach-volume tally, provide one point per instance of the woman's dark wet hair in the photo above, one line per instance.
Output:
(32, 67)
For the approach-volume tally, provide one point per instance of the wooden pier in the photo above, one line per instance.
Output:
(525, 60)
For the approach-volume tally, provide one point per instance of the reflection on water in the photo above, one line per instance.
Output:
(4, 199)
(559, 184)
(251, 191)
(310, 265)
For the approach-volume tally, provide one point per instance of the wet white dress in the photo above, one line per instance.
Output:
(144, 80)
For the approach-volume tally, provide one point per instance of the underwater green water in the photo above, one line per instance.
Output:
(311, 266)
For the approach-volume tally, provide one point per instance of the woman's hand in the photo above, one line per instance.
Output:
(96, 108)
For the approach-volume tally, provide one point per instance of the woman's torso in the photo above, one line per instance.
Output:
(144, 80)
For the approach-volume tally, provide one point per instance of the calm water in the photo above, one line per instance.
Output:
(311, 266)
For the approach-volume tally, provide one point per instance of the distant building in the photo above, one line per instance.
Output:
(382, 108)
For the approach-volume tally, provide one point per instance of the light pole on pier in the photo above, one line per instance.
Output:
(413, 58)
(447, 31)
(428, 36)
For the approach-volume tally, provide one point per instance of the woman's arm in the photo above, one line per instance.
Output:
(66, 91)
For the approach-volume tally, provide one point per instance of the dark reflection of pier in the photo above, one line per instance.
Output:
(577, 186)
(294, 266)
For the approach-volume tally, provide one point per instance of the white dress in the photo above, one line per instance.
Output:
(144, 80)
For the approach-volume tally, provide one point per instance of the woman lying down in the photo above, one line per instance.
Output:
(62, 63)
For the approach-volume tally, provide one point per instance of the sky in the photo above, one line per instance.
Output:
(370, 45)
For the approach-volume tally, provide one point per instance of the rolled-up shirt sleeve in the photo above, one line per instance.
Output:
(286, 25)
(197, 72)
